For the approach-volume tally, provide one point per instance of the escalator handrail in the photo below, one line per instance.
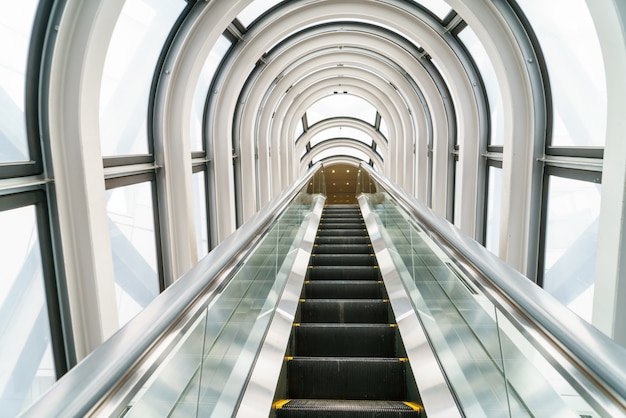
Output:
(594, 351)
(76, 393)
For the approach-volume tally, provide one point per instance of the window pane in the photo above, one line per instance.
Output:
(254, 10)
(134, 50)
(16, 21)
(26, 363)
(439, 7)
(488, 74)
(200, 213)
(133, 243)
(383, 128)
(571, 238)
(494, 194)
(457, 192)
(576, 70)
(341, 132)
(299, 130)
(202, 89)
(341, 105)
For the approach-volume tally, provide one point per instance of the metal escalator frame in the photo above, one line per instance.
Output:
(134, 351)
(599, 369)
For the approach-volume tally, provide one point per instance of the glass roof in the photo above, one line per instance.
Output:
(439, 7)
(341, 105)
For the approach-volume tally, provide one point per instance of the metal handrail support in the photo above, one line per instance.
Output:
(110, 364)
(594, 354)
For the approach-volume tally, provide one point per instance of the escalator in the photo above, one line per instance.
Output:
(376, 310)
(345, 357)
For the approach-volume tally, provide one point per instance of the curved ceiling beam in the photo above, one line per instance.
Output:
(303, 140)
(339, 142)
(291, 17)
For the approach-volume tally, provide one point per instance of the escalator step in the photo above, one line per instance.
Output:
(310, 408)
(343, 273)
(363, 239)
(346, 378)
(341, 223)
(343, 249)
(368, 311)
(345, 340)
(343, 289)
(343, 260)
(345, 232)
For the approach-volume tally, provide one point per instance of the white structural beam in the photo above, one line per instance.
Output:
(609, 309)
(74, 96)
(519, 125)
(339, 142)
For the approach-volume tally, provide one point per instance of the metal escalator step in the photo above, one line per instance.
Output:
(346, 378)
(345, 340)
(369, 311)
(309, 408)
(344, 232)
(343, 249)
(343, 289)
(341, 223)
(337, 260)
(343, 273)
(343, 240)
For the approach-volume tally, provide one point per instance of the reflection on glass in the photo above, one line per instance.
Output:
(571, 238)
(26, 363)
(334, 151)
(576, 69)
(136, 43)
(16, 21)
(457, 192)
(254, 10)
(491, 366)
(488, 74)
(439, 7)
(133, 243)
(494, 193)
(200, 213)
(202, 89)
(341, 132)
(212, 361)
(341, 105)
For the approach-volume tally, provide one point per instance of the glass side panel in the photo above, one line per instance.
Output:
(439, 7)
(488, 74)
(571, 48)
(493, 368)
(334, 151)
(494, 197)
(136, 43)
(254, 10)
(202, 89)
(213, 359)
(200, 213)
(457, 192)
(133, 243)
(341, 105)
(341, 132)
(571, 239)
(299, 130)
(26, 364)
(16, 21)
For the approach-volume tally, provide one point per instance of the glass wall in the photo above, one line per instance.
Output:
(341, 132)
(571, 236)
(27, 367)
(494, 206)
(344, 105)
(16, 21)
(130, 207)
(132, 55)
(200, 212)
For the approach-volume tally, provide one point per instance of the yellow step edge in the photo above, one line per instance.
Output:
(296, 324)
(288, 358)
(302, 300)
(280, 403)
(393, 325)
(412, 405)
(403, 359)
